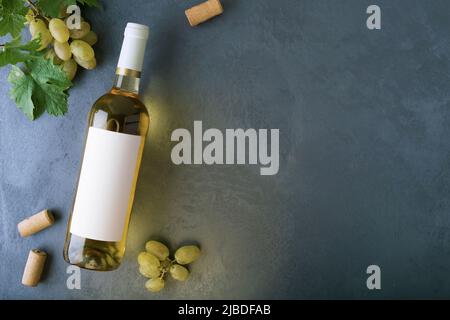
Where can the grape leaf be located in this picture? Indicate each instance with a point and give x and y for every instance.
(12, 17)
(22, 91)
(29, 46)
(40, 87)
(52, 7)
(90, 3)
(14, 51)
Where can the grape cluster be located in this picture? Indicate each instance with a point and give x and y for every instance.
(69, 48)
(155, 263)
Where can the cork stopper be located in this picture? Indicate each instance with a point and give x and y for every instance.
(35, 223)
(203, 11)
(34, 267)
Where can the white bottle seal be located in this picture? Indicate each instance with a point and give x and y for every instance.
(133, 47)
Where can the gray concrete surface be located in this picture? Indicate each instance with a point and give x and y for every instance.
(364, 153)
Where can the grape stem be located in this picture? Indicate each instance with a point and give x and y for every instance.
(36, 9)
(165, 268)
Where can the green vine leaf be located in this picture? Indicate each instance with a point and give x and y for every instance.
(52, 8)
(12, 17)
(40, 87)
(90, 3)
(14, 51)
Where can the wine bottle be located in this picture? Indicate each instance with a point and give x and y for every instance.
(117, 127)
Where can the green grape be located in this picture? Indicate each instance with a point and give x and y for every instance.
(155, 285)
(62, 50)
(36, 26)
(51, 55)
(148, 259)
(157, 249)
(149, 272)
(46, 38)
(178, 272)
(82, 50)
(149, 265)
(29, 16)
(187, 254)
(59, 30)
(91, 38)
(85, 27)
(70, 68)
(89, 64)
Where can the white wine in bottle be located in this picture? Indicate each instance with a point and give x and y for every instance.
(117, 127)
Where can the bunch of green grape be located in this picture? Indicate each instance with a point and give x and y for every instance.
(66, 47)
(155, 263)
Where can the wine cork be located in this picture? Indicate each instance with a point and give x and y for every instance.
(34, 267)
(203, 11)
(35, 223)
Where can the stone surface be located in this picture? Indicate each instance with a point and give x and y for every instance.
(364, 153)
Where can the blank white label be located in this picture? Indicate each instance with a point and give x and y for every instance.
(105, 185)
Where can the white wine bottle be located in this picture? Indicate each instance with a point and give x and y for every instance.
(117, 127)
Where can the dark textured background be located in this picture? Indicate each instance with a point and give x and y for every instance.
(364, 152)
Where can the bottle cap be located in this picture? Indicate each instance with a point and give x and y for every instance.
(136, 30)
(133, 49)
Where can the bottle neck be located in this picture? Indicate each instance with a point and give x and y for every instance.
(128, 84)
